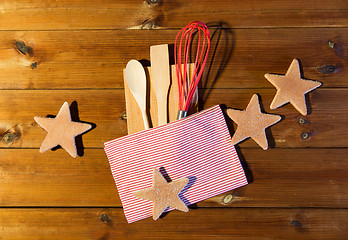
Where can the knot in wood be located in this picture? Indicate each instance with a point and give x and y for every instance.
(148, 25)
(153, 1)
(295, 223)
(22, 47)
(124, 116)
(105, 218)
(327, 69)
(9, 138)
(227, 199)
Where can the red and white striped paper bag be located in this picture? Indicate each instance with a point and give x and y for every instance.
(198, 147)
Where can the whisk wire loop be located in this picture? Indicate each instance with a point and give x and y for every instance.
(182, 51)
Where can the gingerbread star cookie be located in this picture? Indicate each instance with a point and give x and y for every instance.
(61, 131)
(291, 88)
(252, 123)
(163, 194)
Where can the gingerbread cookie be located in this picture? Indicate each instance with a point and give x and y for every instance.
(291, 88)
(61, 131)
(252, 123)
(163, 194)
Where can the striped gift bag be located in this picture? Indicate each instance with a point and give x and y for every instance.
(198, 147)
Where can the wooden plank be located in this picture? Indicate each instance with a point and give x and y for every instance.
(29, 178)
(101, 108)
(322, 127)
(289, 178)
(108, 14)
(277, 177)
(325, 125)
(239, 57)
(196, 224)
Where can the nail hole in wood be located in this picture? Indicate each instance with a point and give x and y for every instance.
(305, 135)
(302, 120)
(34, 65)
(331, 44)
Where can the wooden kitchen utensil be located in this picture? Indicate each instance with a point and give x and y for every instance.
(160, 79)
(134, 121)
(136, 80)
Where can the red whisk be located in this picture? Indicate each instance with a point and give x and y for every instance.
(182, 52)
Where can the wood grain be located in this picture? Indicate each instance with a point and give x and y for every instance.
(239, 58)
(322, 123)
(277, 178)
(326, 123)
(108, 14)
(101, 108)
(75, 50)
(29, 178)
(289, 178)
(196, 224)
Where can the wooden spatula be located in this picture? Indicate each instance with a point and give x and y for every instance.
(160, 79)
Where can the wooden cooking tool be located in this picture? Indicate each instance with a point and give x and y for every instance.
(160, 79)
(134, 119)
(136, 80)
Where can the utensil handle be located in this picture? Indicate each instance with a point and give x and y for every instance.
(162, 113)
(146, 121)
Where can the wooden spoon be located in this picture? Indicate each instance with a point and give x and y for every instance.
(160, 79)
(136, 80)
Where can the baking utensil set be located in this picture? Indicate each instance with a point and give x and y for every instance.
(193, 41)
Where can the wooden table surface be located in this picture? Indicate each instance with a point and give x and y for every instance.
(75, 50)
